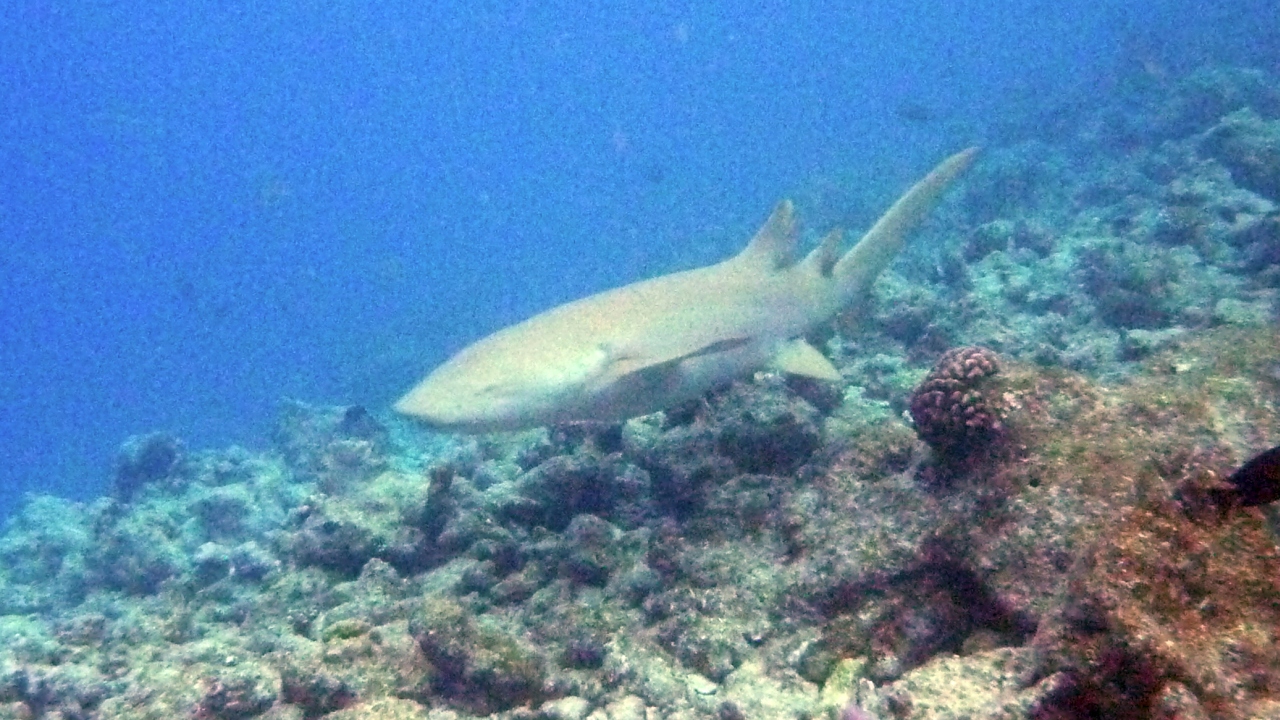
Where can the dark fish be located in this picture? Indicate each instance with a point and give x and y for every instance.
(1257, 482)
(915, 112)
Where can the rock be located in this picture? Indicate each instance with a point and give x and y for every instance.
(565, 708)
(145, 459)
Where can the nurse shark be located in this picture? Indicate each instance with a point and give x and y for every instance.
(656, 343)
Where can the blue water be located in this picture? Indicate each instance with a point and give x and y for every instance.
(207, 207)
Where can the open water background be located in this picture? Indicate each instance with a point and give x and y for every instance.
(207, 207)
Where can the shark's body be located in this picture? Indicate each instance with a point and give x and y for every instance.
(655, 343)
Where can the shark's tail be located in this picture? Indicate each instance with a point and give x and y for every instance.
(859, 267)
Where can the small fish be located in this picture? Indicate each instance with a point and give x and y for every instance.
(915, 112)
(1257, 482)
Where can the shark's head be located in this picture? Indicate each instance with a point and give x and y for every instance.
(462, 402)
(488, 387)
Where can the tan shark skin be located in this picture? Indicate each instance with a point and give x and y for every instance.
(653, 344)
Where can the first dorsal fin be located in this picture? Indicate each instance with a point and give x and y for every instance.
(774, 243)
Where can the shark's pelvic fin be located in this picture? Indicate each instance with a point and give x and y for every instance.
(798, 357)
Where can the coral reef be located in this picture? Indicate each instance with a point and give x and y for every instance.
(779, 548)
(146, 459)
(954, 409)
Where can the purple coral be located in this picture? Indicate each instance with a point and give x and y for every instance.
(953, 410)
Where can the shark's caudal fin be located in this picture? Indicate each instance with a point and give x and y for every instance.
(859, 267)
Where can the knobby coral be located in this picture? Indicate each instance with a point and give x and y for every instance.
(953, 410)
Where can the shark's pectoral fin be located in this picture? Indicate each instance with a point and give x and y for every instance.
(656, 372)
(719, 346)
(658, 362)
(653, 376)
(800, 358)
(650, 380)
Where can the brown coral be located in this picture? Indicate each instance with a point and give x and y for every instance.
(953, 410)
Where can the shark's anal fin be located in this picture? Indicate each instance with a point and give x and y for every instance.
(798, 357)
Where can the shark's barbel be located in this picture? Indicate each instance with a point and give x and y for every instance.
(650, 345)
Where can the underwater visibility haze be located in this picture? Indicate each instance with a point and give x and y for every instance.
(1016, 456)
(210, 208)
